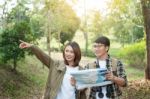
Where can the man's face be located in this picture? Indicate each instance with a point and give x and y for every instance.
(99, 49)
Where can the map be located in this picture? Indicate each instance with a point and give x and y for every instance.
(90, 78)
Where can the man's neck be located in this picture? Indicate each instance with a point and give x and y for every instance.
(103, 57)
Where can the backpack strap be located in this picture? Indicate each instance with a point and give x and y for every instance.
(114, 68)
(114, 64)
(90, 66)
(81, 67)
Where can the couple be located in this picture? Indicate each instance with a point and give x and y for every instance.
(61, 85)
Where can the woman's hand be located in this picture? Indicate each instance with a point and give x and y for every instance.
(23, 44)
(73, 81)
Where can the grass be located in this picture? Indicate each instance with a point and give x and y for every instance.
(27, 83)
(134, 73)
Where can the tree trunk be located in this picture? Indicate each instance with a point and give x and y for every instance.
(15, 64)
(48, 28)
(146, 15)
(85, 30)
(48, 43)
(4, 15)
(86, 43)
(59, 40)
(48, 35)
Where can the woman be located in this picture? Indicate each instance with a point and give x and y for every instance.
(60, 84)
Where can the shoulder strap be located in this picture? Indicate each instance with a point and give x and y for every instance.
(114, 63)
(81, 67)
(90, 66)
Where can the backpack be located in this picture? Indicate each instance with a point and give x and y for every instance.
(93, 65)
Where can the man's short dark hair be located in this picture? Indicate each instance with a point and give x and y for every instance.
(103, 40)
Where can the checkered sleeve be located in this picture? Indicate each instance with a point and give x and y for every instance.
(121, 72)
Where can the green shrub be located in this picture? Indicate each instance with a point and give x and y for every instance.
(88, 54)
(134, 55)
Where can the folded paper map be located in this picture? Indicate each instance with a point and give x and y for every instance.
(90, 78)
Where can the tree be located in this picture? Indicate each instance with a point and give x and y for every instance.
(18, 27)
(146, 15)
(97, 24)
(67, 22)
(126, 21)
(10, 41)
(62, 20)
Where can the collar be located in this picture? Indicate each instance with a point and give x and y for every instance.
(61, 67)
(107, 62)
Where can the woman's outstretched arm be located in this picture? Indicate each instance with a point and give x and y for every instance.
(43, 57)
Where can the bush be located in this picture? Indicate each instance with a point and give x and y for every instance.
(88, 54)
(134, 55)
(138, 89)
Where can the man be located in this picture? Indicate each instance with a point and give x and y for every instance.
(116, 72)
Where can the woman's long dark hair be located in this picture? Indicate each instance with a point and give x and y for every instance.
(77, 53)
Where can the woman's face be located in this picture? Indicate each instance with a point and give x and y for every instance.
(69, 54)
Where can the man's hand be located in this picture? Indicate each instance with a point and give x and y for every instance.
(118, 80)
(110, 76)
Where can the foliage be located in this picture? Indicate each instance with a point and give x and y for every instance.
(10, 41)
(134, 54)
(36, 27)
(97, 24)
(70, 23)
(126, 17)
(122, 20)
(88, 53)
(63, 22)
(18, 28)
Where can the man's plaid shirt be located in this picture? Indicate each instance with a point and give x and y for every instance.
(118, 71)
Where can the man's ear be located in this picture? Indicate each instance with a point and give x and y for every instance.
(107, 48)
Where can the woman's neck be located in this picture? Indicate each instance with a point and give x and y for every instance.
(71, 64)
